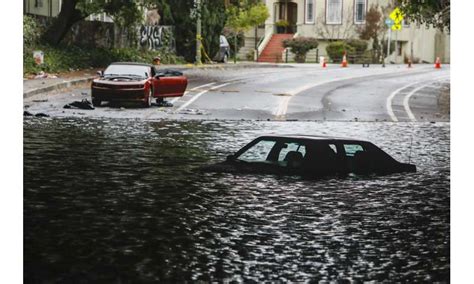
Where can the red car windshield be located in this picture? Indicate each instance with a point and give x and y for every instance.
(127, 70)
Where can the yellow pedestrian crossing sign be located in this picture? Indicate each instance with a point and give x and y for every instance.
(397, 26)
(396, 15)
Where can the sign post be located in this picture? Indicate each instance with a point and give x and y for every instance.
(389, 23)
(397, 17)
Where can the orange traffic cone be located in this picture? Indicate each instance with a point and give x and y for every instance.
(437, 63)
(344, 60)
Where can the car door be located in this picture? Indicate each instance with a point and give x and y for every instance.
(170, 83)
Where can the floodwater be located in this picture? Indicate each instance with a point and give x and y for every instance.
(120, 201)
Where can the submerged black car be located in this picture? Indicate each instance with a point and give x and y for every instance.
(310, 156)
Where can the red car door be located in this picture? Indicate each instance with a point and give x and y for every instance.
(170, 84)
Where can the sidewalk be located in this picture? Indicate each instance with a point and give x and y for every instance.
(33, 87)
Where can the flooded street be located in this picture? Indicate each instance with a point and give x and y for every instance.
(123, 201)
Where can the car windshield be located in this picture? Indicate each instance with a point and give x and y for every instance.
(258, 152)
(127, 70)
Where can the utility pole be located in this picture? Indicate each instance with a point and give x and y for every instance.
(198, 33)
(388, 42)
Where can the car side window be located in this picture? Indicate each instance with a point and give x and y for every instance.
(258, 152)
(291, 147)
(351, 149)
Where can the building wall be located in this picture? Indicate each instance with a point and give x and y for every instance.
(423, 43)
(48, 8)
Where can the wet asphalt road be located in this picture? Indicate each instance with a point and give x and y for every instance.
(291, 92)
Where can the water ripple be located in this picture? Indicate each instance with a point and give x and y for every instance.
(121, 201)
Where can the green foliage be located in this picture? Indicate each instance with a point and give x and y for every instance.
(250, 56)
(31, 30)
(64, 58)
(124, 13)
(300, 47)
(360, 46)
(282, 23)
(336, 50)
(183, 15)
(431, 12)
(244, 16)
(213, 21)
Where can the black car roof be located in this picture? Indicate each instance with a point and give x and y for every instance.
(132, 63)
(311, 137)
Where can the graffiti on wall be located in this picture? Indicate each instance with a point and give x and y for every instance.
(156, 37)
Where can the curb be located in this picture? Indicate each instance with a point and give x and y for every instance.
(67, 84)
(225, 66)
(57, 86)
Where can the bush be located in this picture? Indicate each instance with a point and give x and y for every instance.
(360, 46)
(31, 30)
(65, 58)
(335, 50)
(250, 55)
(300, 47)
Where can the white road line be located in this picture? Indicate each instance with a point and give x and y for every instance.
(201, 86)
(406, 99)
(394, 93)
(283, 106)
(174, 100)
(195, 97)
(390, 99)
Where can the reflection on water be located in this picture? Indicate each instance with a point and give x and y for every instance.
(121, 201)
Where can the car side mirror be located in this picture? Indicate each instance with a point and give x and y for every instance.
(100, 73)
(230, 158)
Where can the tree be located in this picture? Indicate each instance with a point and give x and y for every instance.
(372, 30)
(183, 15)
(430, 12)
(244, 14)
(124, 12)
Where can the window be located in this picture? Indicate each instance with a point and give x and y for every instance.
(38, 3)
(333, 11)
(310, 11)
(360, 11)
(351, 149)
(291, 147)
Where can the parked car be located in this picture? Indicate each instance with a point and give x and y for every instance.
(310, 156)
(136, 82)
(224, 50)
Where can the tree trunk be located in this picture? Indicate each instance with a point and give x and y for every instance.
(235, 48)
(67, 17)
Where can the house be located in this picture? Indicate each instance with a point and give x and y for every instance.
(329, 20)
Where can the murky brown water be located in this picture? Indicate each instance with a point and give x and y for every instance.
(120, 201)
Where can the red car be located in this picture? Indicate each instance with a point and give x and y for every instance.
(137, 82)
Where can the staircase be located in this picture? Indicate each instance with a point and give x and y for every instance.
(274, 49)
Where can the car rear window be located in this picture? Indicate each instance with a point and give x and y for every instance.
(351, 149)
